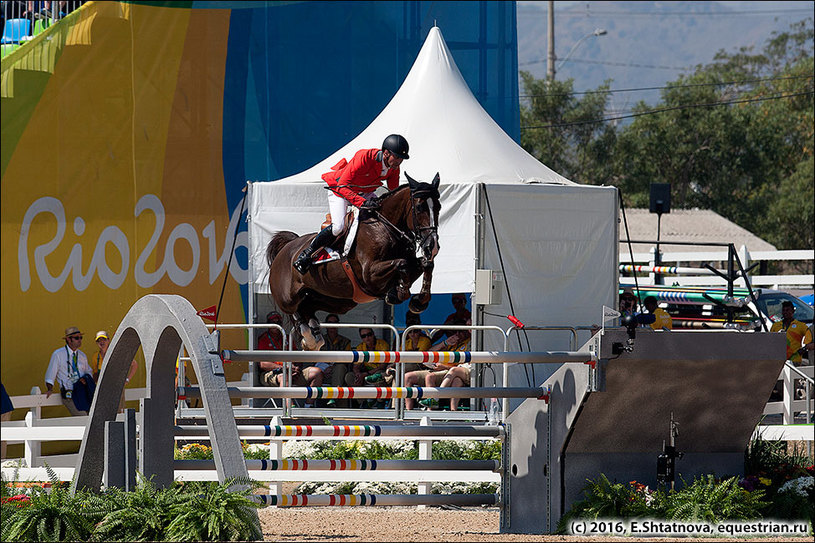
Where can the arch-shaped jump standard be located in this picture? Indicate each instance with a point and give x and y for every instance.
(160, 324)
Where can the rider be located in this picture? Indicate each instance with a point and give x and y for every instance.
(355, 182)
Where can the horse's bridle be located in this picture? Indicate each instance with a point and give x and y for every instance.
(434, 229)
(411, 238)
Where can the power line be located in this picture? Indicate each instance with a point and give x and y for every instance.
(591, 12)
(608, 63)
(689, 85)
(663, 110)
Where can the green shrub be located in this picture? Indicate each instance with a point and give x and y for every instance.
(53, 515)
(710, 500)
(140, 515)
(604, 499)
(219, 513)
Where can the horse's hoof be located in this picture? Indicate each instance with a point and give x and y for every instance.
(416, 307)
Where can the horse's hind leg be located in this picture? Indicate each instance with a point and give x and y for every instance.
(309, 328)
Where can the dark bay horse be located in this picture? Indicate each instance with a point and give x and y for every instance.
(393, 247)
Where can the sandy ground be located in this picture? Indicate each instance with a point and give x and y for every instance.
(409, 524)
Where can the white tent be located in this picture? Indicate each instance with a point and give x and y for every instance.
(554, 241)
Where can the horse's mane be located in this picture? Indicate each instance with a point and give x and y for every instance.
(397, 190)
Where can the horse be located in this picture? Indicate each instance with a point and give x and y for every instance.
(394, 245)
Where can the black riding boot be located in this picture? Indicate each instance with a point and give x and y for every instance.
(323, 239)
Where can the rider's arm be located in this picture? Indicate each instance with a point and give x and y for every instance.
(393, 178)
(349, 195)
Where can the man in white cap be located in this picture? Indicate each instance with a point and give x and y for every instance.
(68, 366)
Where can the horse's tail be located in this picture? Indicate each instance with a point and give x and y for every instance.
(278, 242)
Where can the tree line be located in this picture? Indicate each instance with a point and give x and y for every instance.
(735, 136)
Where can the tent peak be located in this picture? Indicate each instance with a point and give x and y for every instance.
(448, 129)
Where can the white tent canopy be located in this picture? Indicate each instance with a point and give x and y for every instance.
(554, 241)
(447, 129)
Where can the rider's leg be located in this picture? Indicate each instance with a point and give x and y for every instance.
(337, 206)
(324, 238)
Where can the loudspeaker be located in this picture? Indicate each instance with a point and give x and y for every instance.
(660, 198)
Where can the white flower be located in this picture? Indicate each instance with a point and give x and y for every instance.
(800, 486)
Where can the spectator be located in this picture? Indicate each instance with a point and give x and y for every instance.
(272, 372)
(69, 366)
(799, 337)
(799, 341)
(5, 414)
(417, 340)
(628, 304)
(370, 373)
(457, 376)
(451, 374)
(662, 320)
(102, 342)
(460, 316)
(334, 372)
(271, 340)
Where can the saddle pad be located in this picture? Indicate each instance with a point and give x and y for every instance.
(327, 254)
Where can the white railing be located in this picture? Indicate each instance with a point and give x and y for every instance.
(705, 278)
(34, 429)
(791, 404)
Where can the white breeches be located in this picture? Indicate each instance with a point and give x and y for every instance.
(338, 207)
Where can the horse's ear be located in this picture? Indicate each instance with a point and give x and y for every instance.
(412, 182)
(435, 181)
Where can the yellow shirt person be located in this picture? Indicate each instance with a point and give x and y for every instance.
(798, 335)
(662, 320)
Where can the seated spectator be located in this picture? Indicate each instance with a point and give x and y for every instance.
(272, 372)
(461, 316)
(271, 340)
(417, 340)
(334, 372)
(456, 376)
(369, 373)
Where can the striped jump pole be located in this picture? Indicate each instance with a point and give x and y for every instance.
(415, 357)
(291, 464)
(376, 393)
(334, 431)
(331, 500)
(673, 270)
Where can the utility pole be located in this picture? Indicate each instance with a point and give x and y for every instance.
(550, 66)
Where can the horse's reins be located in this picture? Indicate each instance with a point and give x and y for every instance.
(410, 238)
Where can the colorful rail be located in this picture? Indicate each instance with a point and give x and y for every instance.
(333, 500)
(415, 357)
(334, 431)
(376, 393)
(294, 464)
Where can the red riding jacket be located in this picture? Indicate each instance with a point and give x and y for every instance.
(360, 176)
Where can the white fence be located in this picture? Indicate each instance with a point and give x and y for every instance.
(705, 278)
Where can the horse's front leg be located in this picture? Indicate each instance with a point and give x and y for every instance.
(419, 302)
(394, 272)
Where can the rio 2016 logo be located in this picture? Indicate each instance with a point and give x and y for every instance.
(183, 232)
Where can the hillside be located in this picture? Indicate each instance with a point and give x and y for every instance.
(648, 43)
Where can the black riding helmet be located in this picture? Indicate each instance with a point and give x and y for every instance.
(397, 145)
